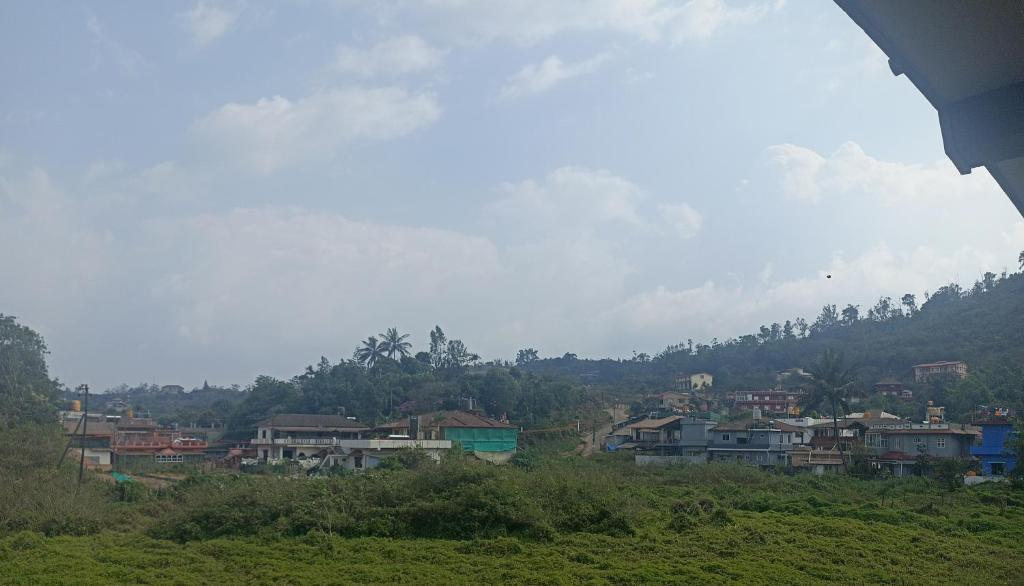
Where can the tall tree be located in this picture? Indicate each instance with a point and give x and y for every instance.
(850, 314)
(394, 344)
(526, 356)
(909, 302)
(832, 385)
(369, 352)
(27, 394)
(438, 348)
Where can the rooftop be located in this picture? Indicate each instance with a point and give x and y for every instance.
(744, 425)
(655, 423)
(311, 421)
(450, 419)
(939, 363)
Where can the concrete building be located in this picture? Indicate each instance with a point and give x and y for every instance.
(696, 381)
(690, 447)
(137, 439)
(994, 455)
(940, 370)
(761, 442)
(897, 448)
(330, 440)
(486, 438)
(785, 403)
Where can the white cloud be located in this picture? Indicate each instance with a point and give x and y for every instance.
(579, 200)
(808, 176)
(540, 77)
(569, 198)
(681, 218)
(396, 56)
(275, 132)
(315, 279)
(713, 310)
(207, 22)
(532, 21)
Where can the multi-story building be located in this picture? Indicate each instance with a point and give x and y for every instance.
(996, 457)
(762, 442)
(785, 403)
(141, 439)
(939, 370)
(897, 448)
(331, 440)
(696, 381)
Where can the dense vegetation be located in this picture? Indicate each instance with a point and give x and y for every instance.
(548, 519)
(27, 394)
(545, 518)
(983, 325)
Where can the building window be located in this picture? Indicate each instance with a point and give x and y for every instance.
(264, 434)
(940, 442)
(896, 443)
(169, 459)
(359, 462)
(725, 437)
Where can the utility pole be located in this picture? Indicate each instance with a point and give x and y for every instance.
(84, 389)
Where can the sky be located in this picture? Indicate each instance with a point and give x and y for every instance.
(211, 191)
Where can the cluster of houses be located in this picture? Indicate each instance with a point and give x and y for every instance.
(114, 440)
(888, 442)
(314, 441)
(317, 441)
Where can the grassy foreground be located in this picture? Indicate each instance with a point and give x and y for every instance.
(543, 520)
(756, 548)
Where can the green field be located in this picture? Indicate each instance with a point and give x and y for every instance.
(545, 520)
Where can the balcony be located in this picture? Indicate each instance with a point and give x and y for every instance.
(362, 444)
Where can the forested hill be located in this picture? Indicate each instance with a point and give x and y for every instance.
(983, 325)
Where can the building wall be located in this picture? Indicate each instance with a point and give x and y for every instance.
(484, 439)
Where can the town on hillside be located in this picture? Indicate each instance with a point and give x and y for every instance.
(691, 424)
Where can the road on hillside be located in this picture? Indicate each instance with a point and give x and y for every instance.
(591, 447)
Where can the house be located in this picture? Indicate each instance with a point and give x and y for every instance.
(940, 370)
(889, 387)
(897, 448)
(785, 403)
(995, 456)
(696, 381)
(294, 436)
(488, 439)
(690, 447)
(652, 432)
(330, 440)
(96, 443)
(138, 439)
(817, 461)
(671, 401)
(761, 442)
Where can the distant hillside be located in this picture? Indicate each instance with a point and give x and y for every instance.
(983, 325)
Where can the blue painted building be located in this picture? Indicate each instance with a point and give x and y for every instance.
(996, 458)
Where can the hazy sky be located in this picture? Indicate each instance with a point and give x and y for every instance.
(217, 190)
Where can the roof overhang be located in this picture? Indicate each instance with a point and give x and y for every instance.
(967, 58)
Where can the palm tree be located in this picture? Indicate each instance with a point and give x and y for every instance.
(392, 343)
(369, 352)
(831, 384)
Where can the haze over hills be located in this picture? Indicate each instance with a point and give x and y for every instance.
(983, 325)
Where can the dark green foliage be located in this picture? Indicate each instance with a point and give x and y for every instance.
(27, 394)
(984, 328)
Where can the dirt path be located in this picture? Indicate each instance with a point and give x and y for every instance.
(591, 447)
